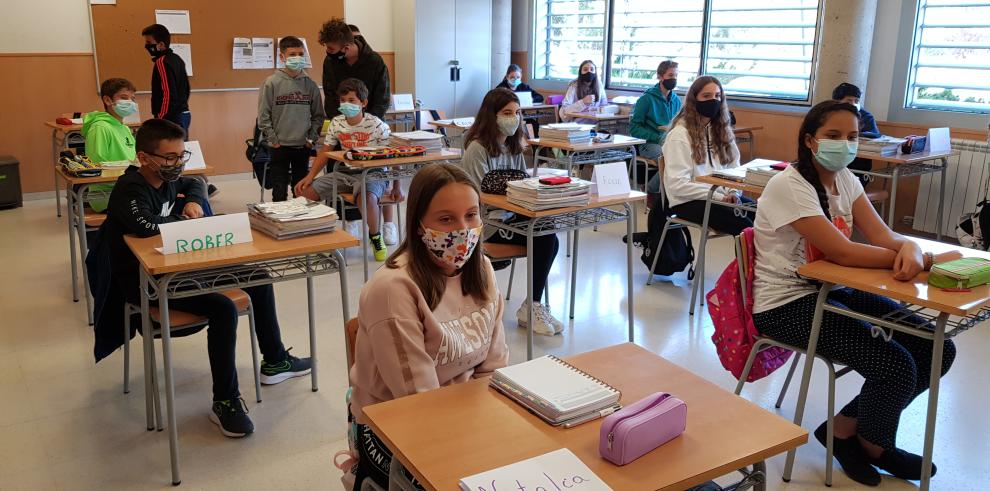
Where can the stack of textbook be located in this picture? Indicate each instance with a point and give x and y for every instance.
(566, 133)
(432, 141)
(884, 145)
(530, 194)
(293, 218)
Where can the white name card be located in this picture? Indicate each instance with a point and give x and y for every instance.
(196, 160)
(205, 233)
(402, 102)
(557, 470)
(938, 140)
(610, 179)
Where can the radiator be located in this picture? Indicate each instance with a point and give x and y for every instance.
(966, 184)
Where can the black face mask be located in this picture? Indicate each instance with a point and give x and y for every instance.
(586, 77)
(170, 174)
(669, 83)
(709, 109)
(152, 49)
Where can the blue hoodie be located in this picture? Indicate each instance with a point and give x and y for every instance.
(652, 111)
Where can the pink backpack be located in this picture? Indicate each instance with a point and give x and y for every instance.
(731, 310)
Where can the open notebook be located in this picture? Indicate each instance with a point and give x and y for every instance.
(554, 390)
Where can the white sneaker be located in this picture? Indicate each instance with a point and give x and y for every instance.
(544, 323)
(391, 233)
(355, 228)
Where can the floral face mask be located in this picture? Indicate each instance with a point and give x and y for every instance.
(454, 247)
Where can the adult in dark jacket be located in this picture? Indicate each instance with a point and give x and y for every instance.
(851, 94)
(513, 81)
(349, 56)
(169, 80)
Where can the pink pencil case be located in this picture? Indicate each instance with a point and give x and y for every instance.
(638, 428)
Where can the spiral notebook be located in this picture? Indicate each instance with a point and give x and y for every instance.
(555, 390)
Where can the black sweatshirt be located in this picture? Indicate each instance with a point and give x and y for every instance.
(369, 68)
(169, 86)
(537, 97)
(137, 208)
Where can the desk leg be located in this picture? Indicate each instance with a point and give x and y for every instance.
(311, 309)
(80, 213)
(574, 261)
(529, 290)
(55, 152)
(630, 217)
(699, 277)
(148, 342)
(635, 184)
(809, 361)
(71, 222)
(941, 198)
(344, 298)
(364, 217)
(935, 378)
(570, 170)
(893, 196)
(173, 430)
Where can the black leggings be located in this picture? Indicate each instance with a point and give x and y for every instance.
(896, 371)
(286, 160)
(545, 250)
(720, 218)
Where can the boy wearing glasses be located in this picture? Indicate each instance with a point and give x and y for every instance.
(145, 197)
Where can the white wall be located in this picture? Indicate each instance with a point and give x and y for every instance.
(374, 18)
(45, 26)
(521, 12)
(881, 77)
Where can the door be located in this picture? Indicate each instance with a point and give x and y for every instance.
(434, 54)
(473, 50)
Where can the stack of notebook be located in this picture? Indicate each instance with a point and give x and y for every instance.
(293, 218)
(884, 145)
(432, 141)
(530, 194)
(557, 392)
(566, 132)
(755, 173)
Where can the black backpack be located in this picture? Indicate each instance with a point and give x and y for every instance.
(257, 153)
(677, 251)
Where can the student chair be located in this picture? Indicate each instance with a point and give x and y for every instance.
(510, 252)
(182, 322)
(762, 343)
(675, 223)
(347, 202)
(646, 163)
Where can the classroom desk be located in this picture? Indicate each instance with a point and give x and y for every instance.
(404, 117)
(264, 261)
(453, 132)
(918, 298)
(749, 138)
(75, 202)
(573, 218)
(62, 136)
(916, 164)
(614, 123)
(542, 113)
(457, 431)
(698, 286)
(397, 168)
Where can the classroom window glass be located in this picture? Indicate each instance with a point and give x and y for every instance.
(760, 49)
(950, 60)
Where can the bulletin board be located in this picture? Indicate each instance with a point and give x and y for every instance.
(214, 24)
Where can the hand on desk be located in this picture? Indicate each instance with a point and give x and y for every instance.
(948, 256)
(303, 184)
(908, 262)
(731, 197)
(588, 99)
(192, 210)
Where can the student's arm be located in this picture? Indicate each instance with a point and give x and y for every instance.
(378, 96)
(639, 125)
(381, 136)
(317, 116)
(330, 100)
(169, 87)
(498, 351)
(192, 188)
(571, 104)
(868, 125)
(265, 125)
(679, 171)
(475, 161)
(909, 259)
(133, 207)
(98, 139)
(399, 349)
(840, 250)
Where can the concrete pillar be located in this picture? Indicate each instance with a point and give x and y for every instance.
(501, 38)
(844, 46)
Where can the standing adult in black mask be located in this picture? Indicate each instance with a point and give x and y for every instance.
(584, 93)
(700, 141)
(349, 56)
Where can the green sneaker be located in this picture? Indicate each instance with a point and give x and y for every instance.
(273, 373)
(378, 245)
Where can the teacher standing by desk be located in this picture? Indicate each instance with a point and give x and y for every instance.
(349, 56)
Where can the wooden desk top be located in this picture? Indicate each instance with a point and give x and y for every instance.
(916, 291)
(449, 126)
(405, 111)
(729, 183)
(618, 141)
(72, 180)
(900, 159)
(538, 106)
(457, 431)
(746, 129)
(66, 128)
(445, 154)
(598, 116)
(502, 202)
(263, 248)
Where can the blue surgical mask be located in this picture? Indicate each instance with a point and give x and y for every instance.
(125, 107)
(349, 109)
(295, 63)
(835, 155)
(514, 82)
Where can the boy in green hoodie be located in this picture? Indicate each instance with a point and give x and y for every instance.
(653, 113)
(108, 139)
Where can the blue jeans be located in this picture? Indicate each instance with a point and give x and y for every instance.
(183, 120)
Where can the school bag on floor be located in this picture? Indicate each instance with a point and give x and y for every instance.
(732, 315)
(676, 252)
(257, 153)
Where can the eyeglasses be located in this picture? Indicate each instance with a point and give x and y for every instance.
(171, 160)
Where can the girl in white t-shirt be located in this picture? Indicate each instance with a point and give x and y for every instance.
(584, 93)
(806, 213)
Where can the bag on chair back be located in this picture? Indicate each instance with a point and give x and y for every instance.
(676, 252)
(732, 317)
(973, 227)
(257, 153)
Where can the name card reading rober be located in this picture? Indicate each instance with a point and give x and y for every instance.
(205, 233)
(555, 471)
(610, 179)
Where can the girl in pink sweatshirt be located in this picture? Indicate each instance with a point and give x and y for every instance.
(433, 315)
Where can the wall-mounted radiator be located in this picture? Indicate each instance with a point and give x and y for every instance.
(966, 183)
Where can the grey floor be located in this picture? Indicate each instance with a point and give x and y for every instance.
(64, 423)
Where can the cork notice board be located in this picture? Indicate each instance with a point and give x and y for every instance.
(215, 23)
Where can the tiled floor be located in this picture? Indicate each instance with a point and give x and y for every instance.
(64, 423)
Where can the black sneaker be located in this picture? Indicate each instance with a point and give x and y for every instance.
(212, 190)
(640, 239)
(500, 265)
(231, 416)
(901, 464)
(851, 456)
(273, 373)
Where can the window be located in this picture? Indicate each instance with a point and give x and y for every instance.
(761, 49)
(950, 60)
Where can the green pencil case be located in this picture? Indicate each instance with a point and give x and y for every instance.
(960, 273)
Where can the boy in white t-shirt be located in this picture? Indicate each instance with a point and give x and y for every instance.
(353, 128)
